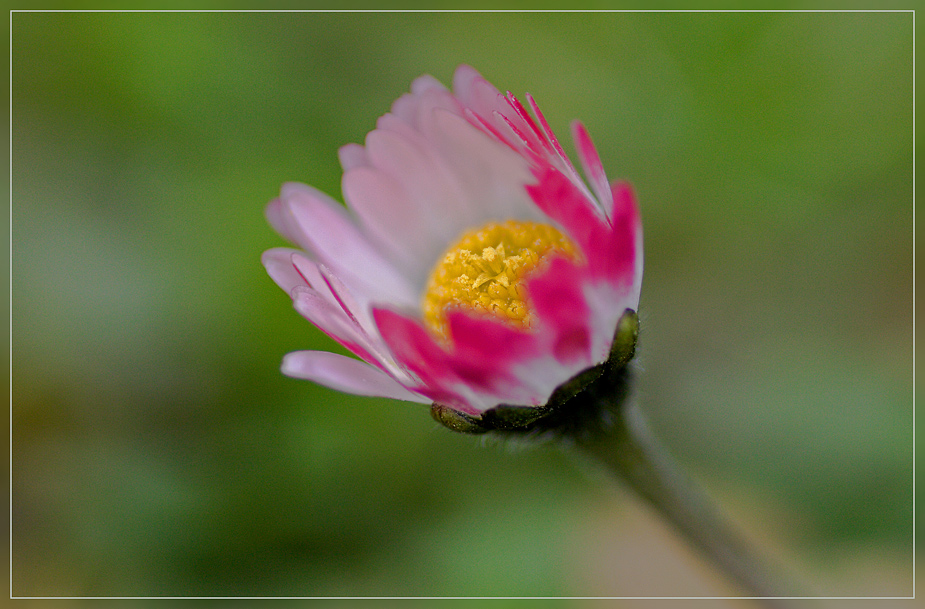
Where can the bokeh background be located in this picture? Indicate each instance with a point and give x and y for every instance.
(157, 450)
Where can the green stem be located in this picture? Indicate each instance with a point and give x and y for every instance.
(626, 447)
(594, 411)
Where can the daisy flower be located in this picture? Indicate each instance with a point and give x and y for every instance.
(472, 266)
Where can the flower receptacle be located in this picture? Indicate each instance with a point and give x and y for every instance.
(567, 397)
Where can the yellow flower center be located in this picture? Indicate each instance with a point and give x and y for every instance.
(485, 270)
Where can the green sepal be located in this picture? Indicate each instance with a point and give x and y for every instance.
(457, 421)
(624, 340)
(568, 395)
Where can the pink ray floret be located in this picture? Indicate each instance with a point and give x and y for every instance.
(442, 163)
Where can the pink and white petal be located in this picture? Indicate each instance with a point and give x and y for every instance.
(352, 155)
(473, 375)
(434, 194)
(610, 246)
(498, 376)
(558, 298)
(625, 205)
(333, 321)
(606, 305)
(310, 273)
(411, 108)
(618, 257)
(481, 96)
(342, 315)
(503, 116)
(477, 338)
(282, 221)
(279, 265)
(591, 163)
(413, 346)
(355, 306)
(417, 351)
(550, 136)
(329, 317)
(424, 83)
(332, 236)
(494, 174)
(380, 204)
(346, 374)
(537, 378)
(476, 359)
(563, 202)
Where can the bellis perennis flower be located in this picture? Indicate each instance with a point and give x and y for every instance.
(473, 267)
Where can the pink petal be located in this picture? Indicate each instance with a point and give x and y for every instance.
(502, 115)
(418, 352)
(557, 295)
(591, 163)
(627, 235)
(474, 374)
(346, 374)
(412, 345)
(556, 155)
(610, 248)
(547, 131)
(537, 141)
(619, 256)
(478, 338)
(561, 200)
(476, 357)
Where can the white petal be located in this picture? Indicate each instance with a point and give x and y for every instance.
(346, 374)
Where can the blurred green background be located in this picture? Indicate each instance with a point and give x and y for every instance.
(157, 450)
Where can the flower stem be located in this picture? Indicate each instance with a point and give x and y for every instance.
(594, 412)
(623, 443)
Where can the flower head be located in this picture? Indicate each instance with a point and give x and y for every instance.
(473, 267)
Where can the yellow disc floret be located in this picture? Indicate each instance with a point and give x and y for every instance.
(485, 270)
